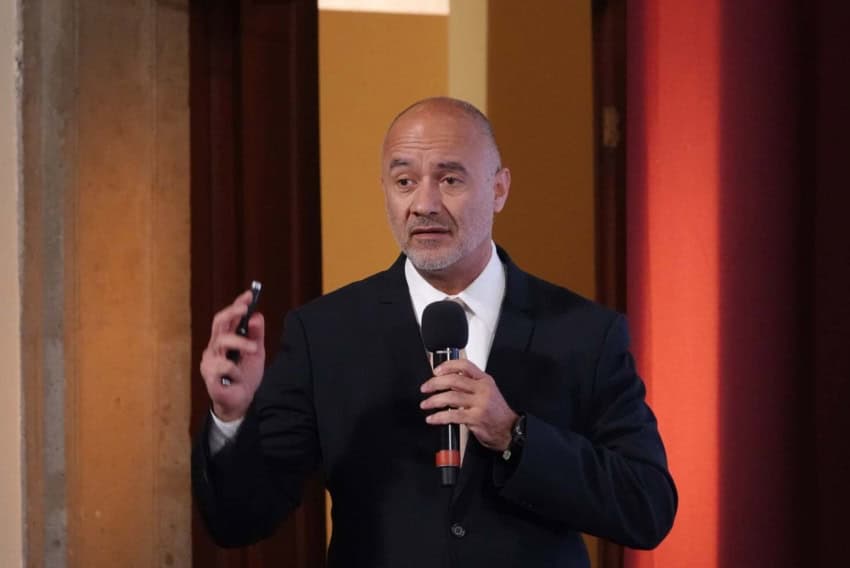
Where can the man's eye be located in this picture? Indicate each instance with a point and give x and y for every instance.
(452, 180)
(405, 183)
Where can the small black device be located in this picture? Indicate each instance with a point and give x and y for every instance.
(242, 329)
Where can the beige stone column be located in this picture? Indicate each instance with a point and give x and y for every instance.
(11, 521)
(468, 51)
(106, 255)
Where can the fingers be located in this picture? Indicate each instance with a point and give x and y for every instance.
(244, 297)
(456, 393)
(230, 398)
(214, 367)
(450, 399)
(226, 319)
(451, 416)
(229, 341)
(462, 367)
(461, 393)
(449, 382)
(458, 384)
(257, 328)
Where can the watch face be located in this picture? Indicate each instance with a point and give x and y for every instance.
(518, 432)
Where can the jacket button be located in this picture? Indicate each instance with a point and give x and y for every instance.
(458, 530)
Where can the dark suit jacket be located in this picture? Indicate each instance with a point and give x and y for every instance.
(343, 394)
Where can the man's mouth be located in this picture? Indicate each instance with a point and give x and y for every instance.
(428, 231)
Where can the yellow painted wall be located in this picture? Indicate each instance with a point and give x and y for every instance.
(540, 100)
(371, 66)
(11, 520)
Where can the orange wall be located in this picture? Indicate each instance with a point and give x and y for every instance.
(369, 70)
(540, 100)
(673, 258)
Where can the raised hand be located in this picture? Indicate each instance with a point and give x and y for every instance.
(231, 398)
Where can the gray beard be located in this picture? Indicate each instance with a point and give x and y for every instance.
(427, 263)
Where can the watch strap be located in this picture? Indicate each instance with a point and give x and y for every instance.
(517, 438)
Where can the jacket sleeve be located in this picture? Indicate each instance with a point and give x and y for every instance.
(611, 480)
(256, 480)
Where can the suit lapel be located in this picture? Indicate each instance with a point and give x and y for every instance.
(513, 335)
(399, 328)
(505, 363)
(402, 336)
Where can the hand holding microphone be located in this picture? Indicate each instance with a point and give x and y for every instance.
(460, 392)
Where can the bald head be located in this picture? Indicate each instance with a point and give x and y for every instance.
(443, 184)
(447, 106)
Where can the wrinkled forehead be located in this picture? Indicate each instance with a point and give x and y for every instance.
(443, 133)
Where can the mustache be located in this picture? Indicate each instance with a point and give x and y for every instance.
(424, 223)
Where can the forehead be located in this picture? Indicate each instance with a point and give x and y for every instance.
(426, 135)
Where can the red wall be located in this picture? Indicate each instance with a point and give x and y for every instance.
(738, 273)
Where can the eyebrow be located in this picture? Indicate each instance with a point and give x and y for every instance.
(452, 167)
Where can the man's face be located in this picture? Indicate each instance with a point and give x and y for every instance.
(442, 186)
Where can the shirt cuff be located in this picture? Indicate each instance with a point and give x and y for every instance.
(222, 432)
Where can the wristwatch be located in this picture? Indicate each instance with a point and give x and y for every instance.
(517, 438)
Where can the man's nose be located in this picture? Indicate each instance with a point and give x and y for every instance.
(427, 199)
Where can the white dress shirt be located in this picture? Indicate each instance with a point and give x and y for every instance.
(481, 300)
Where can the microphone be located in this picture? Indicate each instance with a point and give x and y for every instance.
(445, 333)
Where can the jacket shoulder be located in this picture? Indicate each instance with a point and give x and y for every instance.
(348, 297)
(548, 298)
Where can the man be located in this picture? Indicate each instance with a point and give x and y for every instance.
(559, 441)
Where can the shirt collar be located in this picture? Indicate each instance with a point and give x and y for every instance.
(483, 296)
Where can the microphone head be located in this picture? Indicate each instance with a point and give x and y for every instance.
(444, 326)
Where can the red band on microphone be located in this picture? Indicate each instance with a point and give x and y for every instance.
(448, 458)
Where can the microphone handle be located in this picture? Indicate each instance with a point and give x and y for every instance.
(447, 458)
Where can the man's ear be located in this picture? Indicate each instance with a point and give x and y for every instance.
(501, 188)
